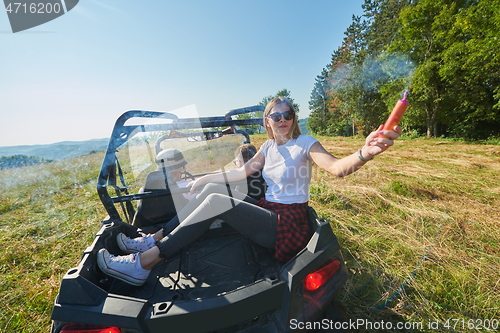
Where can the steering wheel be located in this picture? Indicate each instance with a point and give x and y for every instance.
(186, 175)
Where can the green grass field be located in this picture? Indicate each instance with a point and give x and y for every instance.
(419, 227)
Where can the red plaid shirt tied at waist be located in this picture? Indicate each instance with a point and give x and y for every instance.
(293, 228)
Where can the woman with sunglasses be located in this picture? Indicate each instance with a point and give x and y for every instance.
(278, 221)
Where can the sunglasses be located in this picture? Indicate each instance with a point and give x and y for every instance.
(276, 116)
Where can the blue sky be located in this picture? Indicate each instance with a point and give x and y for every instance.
(70, 78)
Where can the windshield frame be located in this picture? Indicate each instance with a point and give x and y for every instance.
(111, 175)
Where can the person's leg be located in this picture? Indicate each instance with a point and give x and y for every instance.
(141, 244)
(258, 224)
(252, 221)
(196, 202)
(255, 222)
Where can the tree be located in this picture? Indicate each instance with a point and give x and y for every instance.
(320, 114)
(454, 44)
(418, 38)
(251, 129)
(283, 93)
(444, 51)
(331, 113)
(18, 161)
(471, 68)
(382, 23)
(357, 78)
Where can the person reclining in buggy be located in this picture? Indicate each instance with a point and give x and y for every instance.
(170, 173)
(279, 221)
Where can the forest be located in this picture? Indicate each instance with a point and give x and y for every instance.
(17, 161)
(443, 53)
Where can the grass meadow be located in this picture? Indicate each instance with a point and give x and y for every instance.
(419, 227)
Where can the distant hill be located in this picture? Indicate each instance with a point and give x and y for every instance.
(57, 151)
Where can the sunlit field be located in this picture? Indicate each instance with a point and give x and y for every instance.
(419, 227)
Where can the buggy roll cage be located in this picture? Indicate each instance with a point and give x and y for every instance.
(123, 133)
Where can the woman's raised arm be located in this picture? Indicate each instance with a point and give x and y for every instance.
(374, 145)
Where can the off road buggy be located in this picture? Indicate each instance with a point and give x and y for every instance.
(221, 283)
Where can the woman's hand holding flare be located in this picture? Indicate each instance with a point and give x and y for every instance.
(378, 141)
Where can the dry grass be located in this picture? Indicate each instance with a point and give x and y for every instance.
(419, 227)
(48, 215)
(420, 232)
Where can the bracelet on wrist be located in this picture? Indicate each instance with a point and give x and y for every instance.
(360, 156)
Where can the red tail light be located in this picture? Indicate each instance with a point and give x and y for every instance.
(81, 328)
(316, 279)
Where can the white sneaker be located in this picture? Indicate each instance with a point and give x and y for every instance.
(126, 268)
(134, 245)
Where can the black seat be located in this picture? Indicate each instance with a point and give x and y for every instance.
(159, 209)
(256, 185)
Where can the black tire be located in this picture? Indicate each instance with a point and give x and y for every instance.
(334, 319)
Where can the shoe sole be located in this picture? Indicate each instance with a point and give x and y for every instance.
(117, 275)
